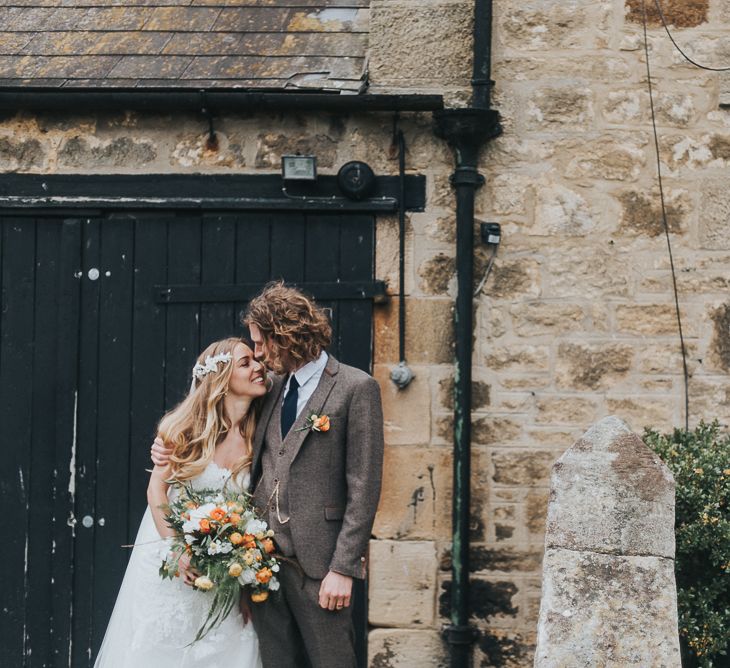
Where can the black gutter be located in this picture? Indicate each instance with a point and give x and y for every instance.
(195, 100)
(466, 131)
(481, 74)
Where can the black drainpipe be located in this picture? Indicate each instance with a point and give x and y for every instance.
(466, 130)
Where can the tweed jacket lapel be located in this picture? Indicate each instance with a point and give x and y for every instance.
(258, 438)
(295, 439)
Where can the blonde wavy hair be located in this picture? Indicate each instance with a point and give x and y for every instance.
(195, 426)
(291, 321)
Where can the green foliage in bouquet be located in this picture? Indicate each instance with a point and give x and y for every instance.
(227, 543)
(700, 462)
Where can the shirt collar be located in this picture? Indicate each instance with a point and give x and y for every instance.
(305, 374)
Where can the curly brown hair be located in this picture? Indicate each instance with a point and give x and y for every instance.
(291, 321)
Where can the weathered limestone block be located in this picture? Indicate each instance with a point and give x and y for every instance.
(592, 366)
(692, 152)
(487, 430)
(715, 217)
(540, 65)
(556, 106)
(518, 358)
(560, 211)
(713, 398)
(272, 146)
(437, 274)
(406, 648)
(662, 358)
(119, 152)
(625, 106)
(427, 45)
(568, 409)
(536, 511)
(509, 278)
(588, 271)
(679, 13)
(507, 193)
(612, 157)
(720, 344)
(548, 317)
(504, 648)
(619, 615)
(480, 392)
(676, 108)
(402, 582)
(647, 411)
(651, 320)
(431, 318)
(20, 154)
(641, 212)
(416, 489)
(521, 467)
(487, 561)
(406, 412)
(196, 151)
(611, 493)
(609, 596)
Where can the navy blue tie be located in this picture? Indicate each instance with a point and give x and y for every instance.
(289, 409)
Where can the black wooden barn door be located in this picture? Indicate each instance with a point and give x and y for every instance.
(39, 307)
(102, 318)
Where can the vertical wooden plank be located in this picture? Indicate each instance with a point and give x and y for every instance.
(86, 442)
(16, 368)
(357, 264)
(111, 482)
(253, 254)
(183, 320)
(148, 357)
(67, 334)
(41, 542)
(218, 268)
(322, 264)
(356, 341)
(288, 247)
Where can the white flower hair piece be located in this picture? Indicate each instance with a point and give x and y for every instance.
(200, 371)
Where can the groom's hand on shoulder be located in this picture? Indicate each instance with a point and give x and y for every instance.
(335, 591)
(159, 453)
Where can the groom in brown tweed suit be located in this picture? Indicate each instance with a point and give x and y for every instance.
(318, 484)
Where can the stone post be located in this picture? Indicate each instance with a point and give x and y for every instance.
(608, 593)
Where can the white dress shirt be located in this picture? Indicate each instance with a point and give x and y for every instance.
(308, 378)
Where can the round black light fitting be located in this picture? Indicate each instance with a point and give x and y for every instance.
(356, 180)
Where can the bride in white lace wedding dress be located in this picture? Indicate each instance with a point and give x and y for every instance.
(154, 620)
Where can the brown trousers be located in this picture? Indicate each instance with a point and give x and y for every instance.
(295, 632)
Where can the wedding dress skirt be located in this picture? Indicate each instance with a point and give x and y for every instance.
(155, 620)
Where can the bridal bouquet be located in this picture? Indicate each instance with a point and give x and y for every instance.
(227, 543)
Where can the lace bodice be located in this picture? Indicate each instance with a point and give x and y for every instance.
(215, 477)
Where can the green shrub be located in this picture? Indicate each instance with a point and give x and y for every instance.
(700, 462)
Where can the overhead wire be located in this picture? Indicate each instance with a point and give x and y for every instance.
(676, 46)
(665, 223)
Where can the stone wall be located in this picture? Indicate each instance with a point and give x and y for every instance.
(576, 320)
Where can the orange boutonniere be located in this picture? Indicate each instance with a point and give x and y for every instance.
(316, 423)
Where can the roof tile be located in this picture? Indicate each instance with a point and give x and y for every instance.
(271, 44)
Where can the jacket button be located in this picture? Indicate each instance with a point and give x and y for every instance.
(281, 453)
(362, 558)
(276, 480)
(273, 507)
